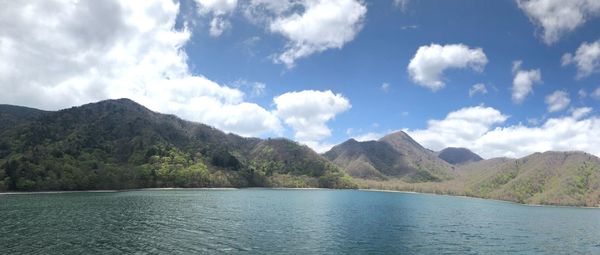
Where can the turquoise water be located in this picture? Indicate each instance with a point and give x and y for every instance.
(264, 221)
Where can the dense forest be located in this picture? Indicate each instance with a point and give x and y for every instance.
(119, 144)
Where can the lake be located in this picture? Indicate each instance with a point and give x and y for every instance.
(267, 221)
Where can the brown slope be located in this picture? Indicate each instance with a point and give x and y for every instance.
(396, 155)
(556, 178)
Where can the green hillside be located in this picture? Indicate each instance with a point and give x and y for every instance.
(117, 144)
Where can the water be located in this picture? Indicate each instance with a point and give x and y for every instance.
(263, 221)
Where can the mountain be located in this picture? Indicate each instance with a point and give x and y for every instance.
(549, 178)
(395, 155)
(397, 162)
(11, 116)
(555, 178)
(116, 144)
(458, 156)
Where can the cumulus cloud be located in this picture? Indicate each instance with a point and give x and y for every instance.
(557, 101)
(308, 112)
(586, 59)
(317, 26)
(477, 88)
(426, 68)
(459, 127)
(523, 82)
(557, 17)
(218, 9)
(55, 54)
(478, 128)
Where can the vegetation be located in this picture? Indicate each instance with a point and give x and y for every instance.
(550, 178)
(395, 156)
(118, 144)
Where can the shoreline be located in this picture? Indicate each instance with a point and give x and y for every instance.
(104, 191)
(286, 188)
(480, 198)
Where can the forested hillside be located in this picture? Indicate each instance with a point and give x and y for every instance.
(118, 144)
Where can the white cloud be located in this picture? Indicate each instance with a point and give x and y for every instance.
(478, 88)
(557, 101)
(402, 4)
(426, 68)
(516, 65)
(56, 54)
(371, 136)
(218, 25)
(477, 128)
(255, 88)
(596, 94)
(219, 9)
(308, 112)
(321, 25)
(587, 59)
(578, 113)
(524, 81)
(459, 127)
(559, 17)
(385, 87)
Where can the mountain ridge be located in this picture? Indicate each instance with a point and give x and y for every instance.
(115, 144)
(120, 144)
(395, 155)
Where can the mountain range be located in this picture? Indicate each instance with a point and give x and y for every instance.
(119, 144)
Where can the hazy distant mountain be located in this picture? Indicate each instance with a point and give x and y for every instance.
(395, 155)
(120, 144)
(457, 156)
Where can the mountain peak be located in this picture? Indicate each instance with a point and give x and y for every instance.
(455, 155)
(120, 102)
(398, 134)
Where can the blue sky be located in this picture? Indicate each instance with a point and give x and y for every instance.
(381, 51)
(223, 63)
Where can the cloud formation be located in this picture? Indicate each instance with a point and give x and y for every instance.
(219, 9)
(426, 68)
(523, 82)
(477, 88)
(596, 94)
(308, 112)
(557, 17)
(557, 101)
(321, 25)
(57, 54)
(586, 59)
(478, 128)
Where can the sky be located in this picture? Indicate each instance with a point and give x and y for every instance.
(502, 78)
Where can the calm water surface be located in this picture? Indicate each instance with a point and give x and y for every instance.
(263, 221)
